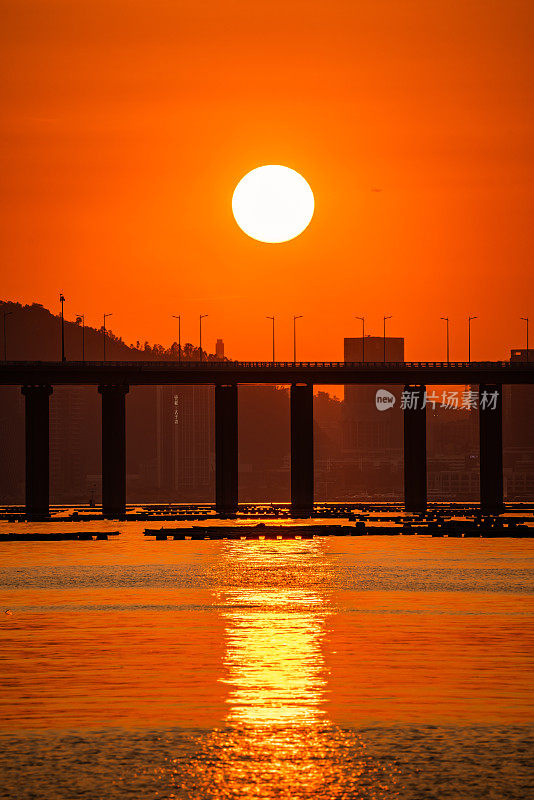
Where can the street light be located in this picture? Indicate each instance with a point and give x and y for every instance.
(295, 318)
(177, 316)
(363, 336)
(273, 334)
(447, 321)
(62, 300)
(525, 319)
(6, 314)
(385, 318)
(105, 317)
(201, 317)
(82, 317)
(469, 339)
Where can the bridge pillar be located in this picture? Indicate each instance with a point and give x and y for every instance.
(226, 452)
(37, 450)
(113, 450)
(415, 486)
(491, 460)
(301, 447)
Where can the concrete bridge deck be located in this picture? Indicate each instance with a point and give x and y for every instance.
(143, 373)
(113, 379)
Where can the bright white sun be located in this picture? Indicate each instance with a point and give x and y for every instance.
(273, 203)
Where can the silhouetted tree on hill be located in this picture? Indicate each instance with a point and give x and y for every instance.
(34, 334)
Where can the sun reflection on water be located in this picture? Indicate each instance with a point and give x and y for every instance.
(274, 664)
(278, 741)
(273, 658)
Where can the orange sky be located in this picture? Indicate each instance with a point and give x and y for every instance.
(127, 125)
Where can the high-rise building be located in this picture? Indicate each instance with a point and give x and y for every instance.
(368, 430)
(519, 408)
(518, 435)
(185, 442)
(219, 349)
(70, 410)
(12, 445)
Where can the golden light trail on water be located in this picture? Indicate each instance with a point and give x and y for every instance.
(277, 741)
(274, 660)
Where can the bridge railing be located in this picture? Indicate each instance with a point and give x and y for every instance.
(223, 365)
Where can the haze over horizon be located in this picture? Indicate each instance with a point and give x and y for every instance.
(31, 326)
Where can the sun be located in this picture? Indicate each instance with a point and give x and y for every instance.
(273, 204)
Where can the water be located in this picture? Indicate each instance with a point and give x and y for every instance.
(374, 667)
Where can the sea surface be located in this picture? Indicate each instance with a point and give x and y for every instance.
(373, 667)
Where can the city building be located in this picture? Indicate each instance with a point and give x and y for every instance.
(518, 435)
(519, 409)
(368, 430)
(185, 454)
(372, 435)
(12, 463)
(72, 408)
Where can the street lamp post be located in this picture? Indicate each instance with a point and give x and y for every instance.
(105, 317)
(178, 317)
(201, 317)
(82, 317)
(469, 338)
(525, 319)
(273, 334)
(6, 314)
(385, 318)
(363, 336)
(62, 300)
(446, 319)
(295, 318)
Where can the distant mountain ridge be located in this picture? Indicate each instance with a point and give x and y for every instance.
(33, 333)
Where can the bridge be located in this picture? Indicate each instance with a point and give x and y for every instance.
(113, 379)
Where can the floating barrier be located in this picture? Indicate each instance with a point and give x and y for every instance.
(84, 536)
(281, 532)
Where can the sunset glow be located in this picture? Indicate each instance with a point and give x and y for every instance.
(126, 168)
(266, 399)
